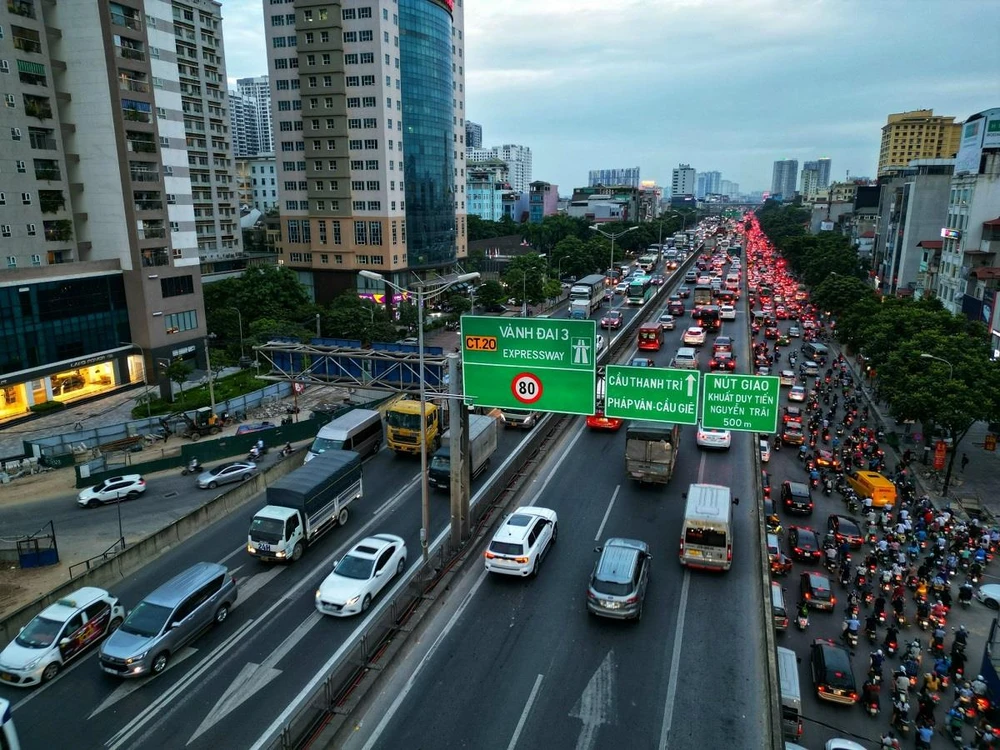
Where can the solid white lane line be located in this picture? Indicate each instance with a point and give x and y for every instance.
(675, 656)
(524, 714)
(600, 529)
(555, 469)
(391, 711)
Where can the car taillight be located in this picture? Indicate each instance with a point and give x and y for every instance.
(798, 550)
(232, 577)
(521, 560)
(682, 546)
(729, 553)
(488, 555)
(833, 600)
(808, 595)
(142, 482)
(632, 600)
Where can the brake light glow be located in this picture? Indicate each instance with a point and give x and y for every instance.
(488, 555)
(521, 560)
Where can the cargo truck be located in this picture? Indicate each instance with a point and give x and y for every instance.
(651, 451)
(305, 504)
(482, 446)
(586, 295)
(403, 427)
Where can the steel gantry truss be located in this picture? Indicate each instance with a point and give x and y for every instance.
(323, 364)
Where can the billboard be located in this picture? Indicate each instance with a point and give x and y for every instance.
(991, 138)
(980, 131)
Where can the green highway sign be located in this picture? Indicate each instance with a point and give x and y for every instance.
(530, 363)
(746, 403)
(651, 393)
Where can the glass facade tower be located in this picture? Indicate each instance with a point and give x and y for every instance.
(425, 51)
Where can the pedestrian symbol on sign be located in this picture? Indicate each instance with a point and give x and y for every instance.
(581, 351)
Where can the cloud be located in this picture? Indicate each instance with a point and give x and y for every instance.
(730, 85)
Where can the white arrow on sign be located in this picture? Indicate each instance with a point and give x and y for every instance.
(253, 677)
(596, 705)
(692, 381)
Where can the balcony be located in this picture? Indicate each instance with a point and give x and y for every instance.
(152, 233)
(41, 138)
(141, 146)
(48, 173)
(58, 231)
(129, 22)
(51, 201)
(144, 175)
(148, 205)
(134, 115)
(130, 53)
(27, 44)
(133, 84)
(155, 257)
(23, 8)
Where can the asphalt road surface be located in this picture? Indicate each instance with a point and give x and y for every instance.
(521, 664)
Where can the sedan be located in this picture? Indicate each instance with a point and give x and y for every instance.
(621, 288)
(845, 529)
(765, 450)
(612, 320)
(803, 544)
(989, 594)
(684, 292)
(722, 344)
(710, 437)
(694, 336)
(816, 592)
(794, 332)
(237, 471)
(727, 312)
(113, 490)
(657, 279)
(827, 459)
(771, 332)
(797, 393)
(667, 322)
(786, 378)
(360, 575)
(642, 362)
(722, 361)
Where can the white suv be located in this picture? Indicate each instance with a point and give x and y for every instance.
(523, 539)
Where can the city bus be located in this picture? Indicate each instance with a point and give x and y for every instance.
(648, 262)
(650, 337)
(640, 289)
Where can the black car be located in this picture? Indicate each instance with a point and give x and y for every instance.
(796, 497)
(804, 544)
(815, 590)
(845, 528)
(832, 673)
(684, 292)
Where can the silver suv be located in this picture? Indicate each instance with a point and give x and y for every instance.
(618, 584)
(164, 621)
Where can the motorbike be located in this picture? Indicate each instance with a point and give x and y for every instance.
(851, 638)
(872, 705)
(923, 622)
(193, 467)
(802, 621)
(828, 487)
(871, 634)
(890, 646)
(256, 453)
(287, 450)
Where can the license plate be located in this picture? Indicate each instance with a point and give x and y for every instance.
(7, 677)
(694, 552)
(264, 547)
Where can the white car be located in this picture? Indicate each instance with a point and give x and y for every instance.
(797, 393)
(668, 322)
(727, 312)
(694, 336)
(58, 634)
(765, 451)
(359, 576)
(523, 539)
(113, 490)
(601, 343)
(989, 594)
(786, 378)
(621, 288)
(710, 437)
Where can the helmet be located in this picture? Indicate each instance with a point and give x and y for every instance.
(879, 652)
(980, 678)
(961, 628)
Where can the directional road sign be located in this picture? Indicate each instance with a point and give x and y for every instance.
(651, 393)
(746, 403)
(530, 363)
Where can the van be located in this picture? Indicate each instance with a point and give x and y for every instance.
(707, 530)
(686, 358)
(167, 619)
(778, 610)
(791, 693)
(814, 351)
(360, 430)
(874, 485)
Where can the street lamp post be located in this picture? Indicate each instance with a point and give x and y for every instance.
(145, 375)
(208, 365)
(422, 294)
(239, 316)
(951, 369)
(612, 236)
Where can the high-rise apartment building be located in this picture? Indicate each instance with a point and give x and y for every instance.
(517, 158)
(730, 189)
(115, 131)
(256, 93)
(824, 164)
(368, 105)
(683, 181)
(713, 182)
(919, 134)
(473, 134)
(784, 178)
(623, 176)
(810, 178)
(243, 125)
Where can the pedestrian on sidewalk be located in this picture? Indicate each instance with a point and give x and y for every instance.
(965, 462)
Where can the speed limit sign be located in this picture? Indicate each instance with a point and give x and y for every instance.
(526, 387)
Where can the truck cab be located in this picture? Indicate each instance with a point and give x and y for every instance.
(274, 533)
(403, 427)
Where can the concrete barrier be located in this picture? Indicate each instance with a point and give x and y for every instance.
(134, 557)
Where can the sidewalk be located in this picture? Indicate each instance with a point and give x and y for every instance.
(978, 482)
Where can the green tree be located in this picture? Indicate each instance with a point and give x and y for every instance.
(838, 294)
(525, 278)
(351, 317)
(177, 372)
(459, 304)
(490, 293)
(407, 316)
(552, 289)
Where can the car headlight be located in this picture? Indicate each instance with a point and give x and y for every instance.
(136, 657)
(318, 595)
(352, 600)
(33, 663)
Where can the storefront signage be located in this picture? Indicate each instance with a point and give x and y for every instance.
(951, 234)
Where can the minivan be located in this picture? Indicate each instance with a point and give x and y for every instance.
(874, 485)
(360, 430)
(796, 497)
(618, 584)
(167, 619)
(815, 351)
(791, 693)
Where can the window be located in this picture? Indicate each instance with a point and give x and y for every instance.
(293, 231)
(353, 101)
(324, 37)
(395, 234)
(371, 164)
(368, 101)
(348, 14)
(335, 226)
(371, 144)
(354, 122)
(11, 260)
(321, 225)
(357, 184)
(31, 230)
(364, 12)
(370, 123)
(5, 231)
(352, 81)
(366, 36)
(372, 185)
(375, 206)
(367, 57)
(367, 80)
(351, 59)
(182, 321)
(375, 233)
(25, 197)
(177, 286)
(357, 164)
(15, 134)
(358, 205)
(350, 36)
(360, 235)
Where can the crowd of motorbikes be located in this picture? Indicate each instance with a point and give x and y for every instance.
(912, 559)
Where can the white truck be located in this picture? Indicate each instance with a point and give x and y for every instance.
(482, 446)
(305, 504)
(586, 296)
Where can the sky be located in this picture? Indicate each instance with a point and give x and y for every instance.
(727, 85)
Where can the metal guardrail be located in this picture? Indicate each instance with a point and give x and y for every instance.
(330, 696)
(85, 565)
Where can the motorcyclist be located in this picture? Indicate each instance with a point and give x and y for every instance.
(937, 640)
(913, 650)
(932, 684)
(875, 662)
(888, 741)
(961, 639)
(925, 711)
(870, 690)
(891, 636)
(939, 611)
(851, 626)
(979, 686)
(900, 681)
(871, 625)
(879, 606)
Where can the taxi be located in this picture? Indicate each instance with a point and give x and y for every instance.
(58, 634)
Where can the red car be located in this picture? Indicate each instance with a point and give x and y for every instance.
(600, 422)
(771, 332)
(612, 320)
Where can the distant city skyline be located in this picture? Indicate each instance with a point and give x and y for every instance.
(738, 126)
